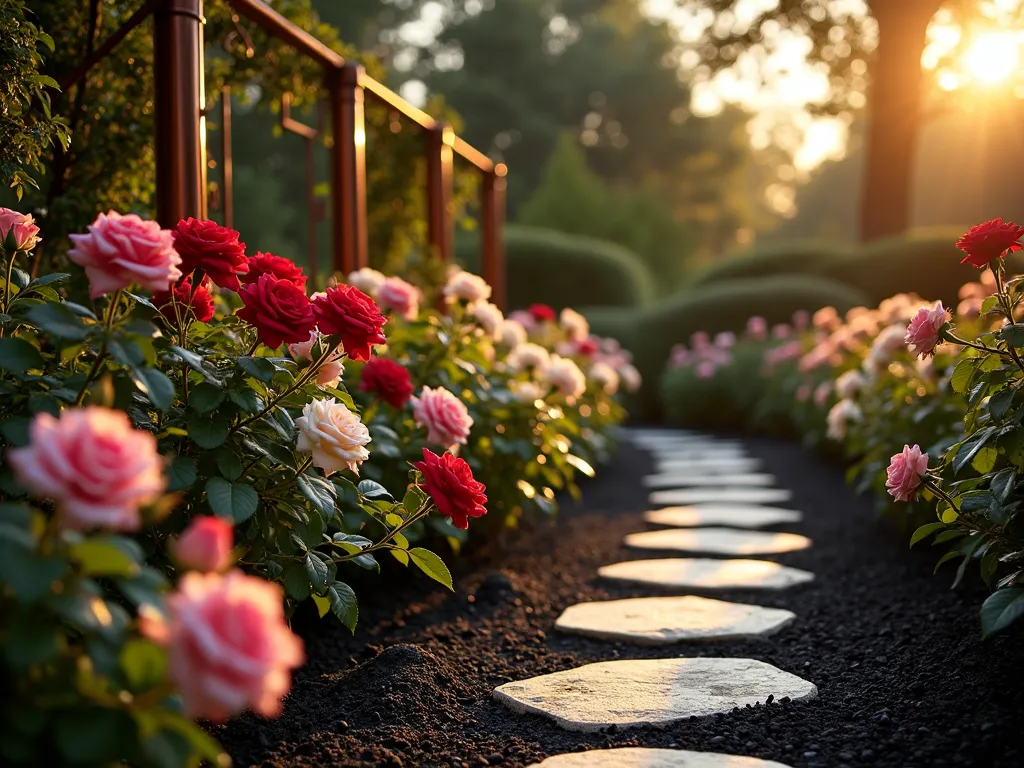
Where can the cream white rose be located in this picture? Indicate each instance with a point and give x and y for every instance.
(467, 287)
(605, 377)
(366, 280)
(333, 434)
(512, 333)
(488, 317)
(574, 324)
(528, 357)
(565, 376)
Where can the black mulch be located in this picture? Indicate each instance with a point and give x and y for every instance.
(903, 677)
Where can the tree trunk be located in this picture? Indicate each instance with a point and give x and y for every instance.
(894, 115)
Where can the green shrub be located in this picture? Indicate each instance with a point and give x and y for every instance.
(651, 334)
(566, 270)
(926, 263)
(794, 257)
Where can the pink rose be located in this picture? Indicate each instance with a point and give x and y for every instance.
(18, 231)
(706, 369)
(93, 464)
(757, 328)
(924, 331)
(228, 643)
(400, 297)
(905, 472)
(205, 545)
(121, 250)
(445, 416)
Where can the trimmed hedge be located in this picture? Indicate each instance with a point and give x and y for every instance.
(926, 263)
(562, 270)
(652, 333)
(795, 257)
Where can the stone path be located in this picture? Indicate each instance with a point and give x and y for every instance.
(667, 620)
(718, 541)
(637, 757)
(680, 479)
(720, 500)
(733, 515)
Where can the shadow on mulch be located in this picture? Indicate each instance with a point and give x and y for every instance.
(903, 676)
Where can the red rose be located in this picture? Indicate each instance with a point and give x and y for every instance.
(201, 301)
(212, 248)
(280, 312)
(542, 313)
(989, 241)
(388, 380)
(278, 266)
(449, 482)
(352, 315)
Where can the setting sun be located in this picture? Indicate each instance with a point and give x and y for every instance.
(993, 57)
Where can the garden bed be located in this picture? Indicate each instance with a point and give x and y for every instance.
(903, 676)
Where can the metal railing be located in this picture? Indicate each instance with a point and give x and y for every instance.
(181, 156)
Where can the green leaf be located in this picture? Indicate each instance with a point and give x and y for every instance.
(18, 356)
(400, 555)
(237, 501)
(344, 604)
(31, 640)
(432, 565)
(258, 367)
(1012, 334)
(205, 398)
(319, 574)
(28, 574)
(104, 557)
(949, 516)
(144, 664)
(246, 399)
(156, 386)
(296, 580)
(1001, 609)
(51, 279)
(984, 460)
(93, 735)
(207, 433)
(57, 320)
(374, 491)
(228, 463)
(323, 604)
(925, 531)
(999, 404)
(191, 359)
(1002, 483)
(320, 492)
(962, 375)
(182, 473)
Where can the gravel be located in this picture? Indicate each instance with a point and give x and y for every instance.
(903, 676)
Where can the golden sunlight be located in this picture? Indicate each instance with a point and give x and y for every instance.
(992, 57)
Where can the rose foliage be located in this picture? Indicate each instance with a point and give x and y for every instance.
(184, 464)
(925, 404)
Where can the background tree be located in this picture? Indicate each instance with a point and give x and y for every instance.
(524, 73)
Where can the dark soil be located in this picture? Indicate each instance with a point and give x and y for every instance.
(903, 676)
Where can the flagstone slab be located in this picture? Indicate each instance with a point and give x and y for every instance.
(682, 496)
(725, 465)
(732, 515)
(677, 573)
(718, 541)
(667, 620)
(683, 479)
(641, 757)
(638, 692)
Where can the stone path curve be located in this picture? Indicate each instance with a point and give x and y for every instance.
(722, 499)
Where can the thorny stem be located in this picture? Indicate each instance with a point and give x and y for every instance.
(115, 300)
(272, 403)
(1004, 303)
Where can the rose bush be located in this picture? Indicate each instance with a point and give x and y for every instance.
(924, 403)
(183, 458)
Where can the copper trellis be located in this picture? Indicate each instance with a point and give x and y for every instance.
(181, 136)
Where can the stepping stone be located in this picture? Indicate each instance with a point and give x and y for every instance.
(709, 466)
(718, 541)
(699, 454)
(683, 496)
(667, 620)
(733, 515)
(638, 692)
(640, 757)
(705, 573)
(679, 479)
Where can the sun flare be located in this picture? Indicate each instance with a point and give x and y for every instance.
(992, 57)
